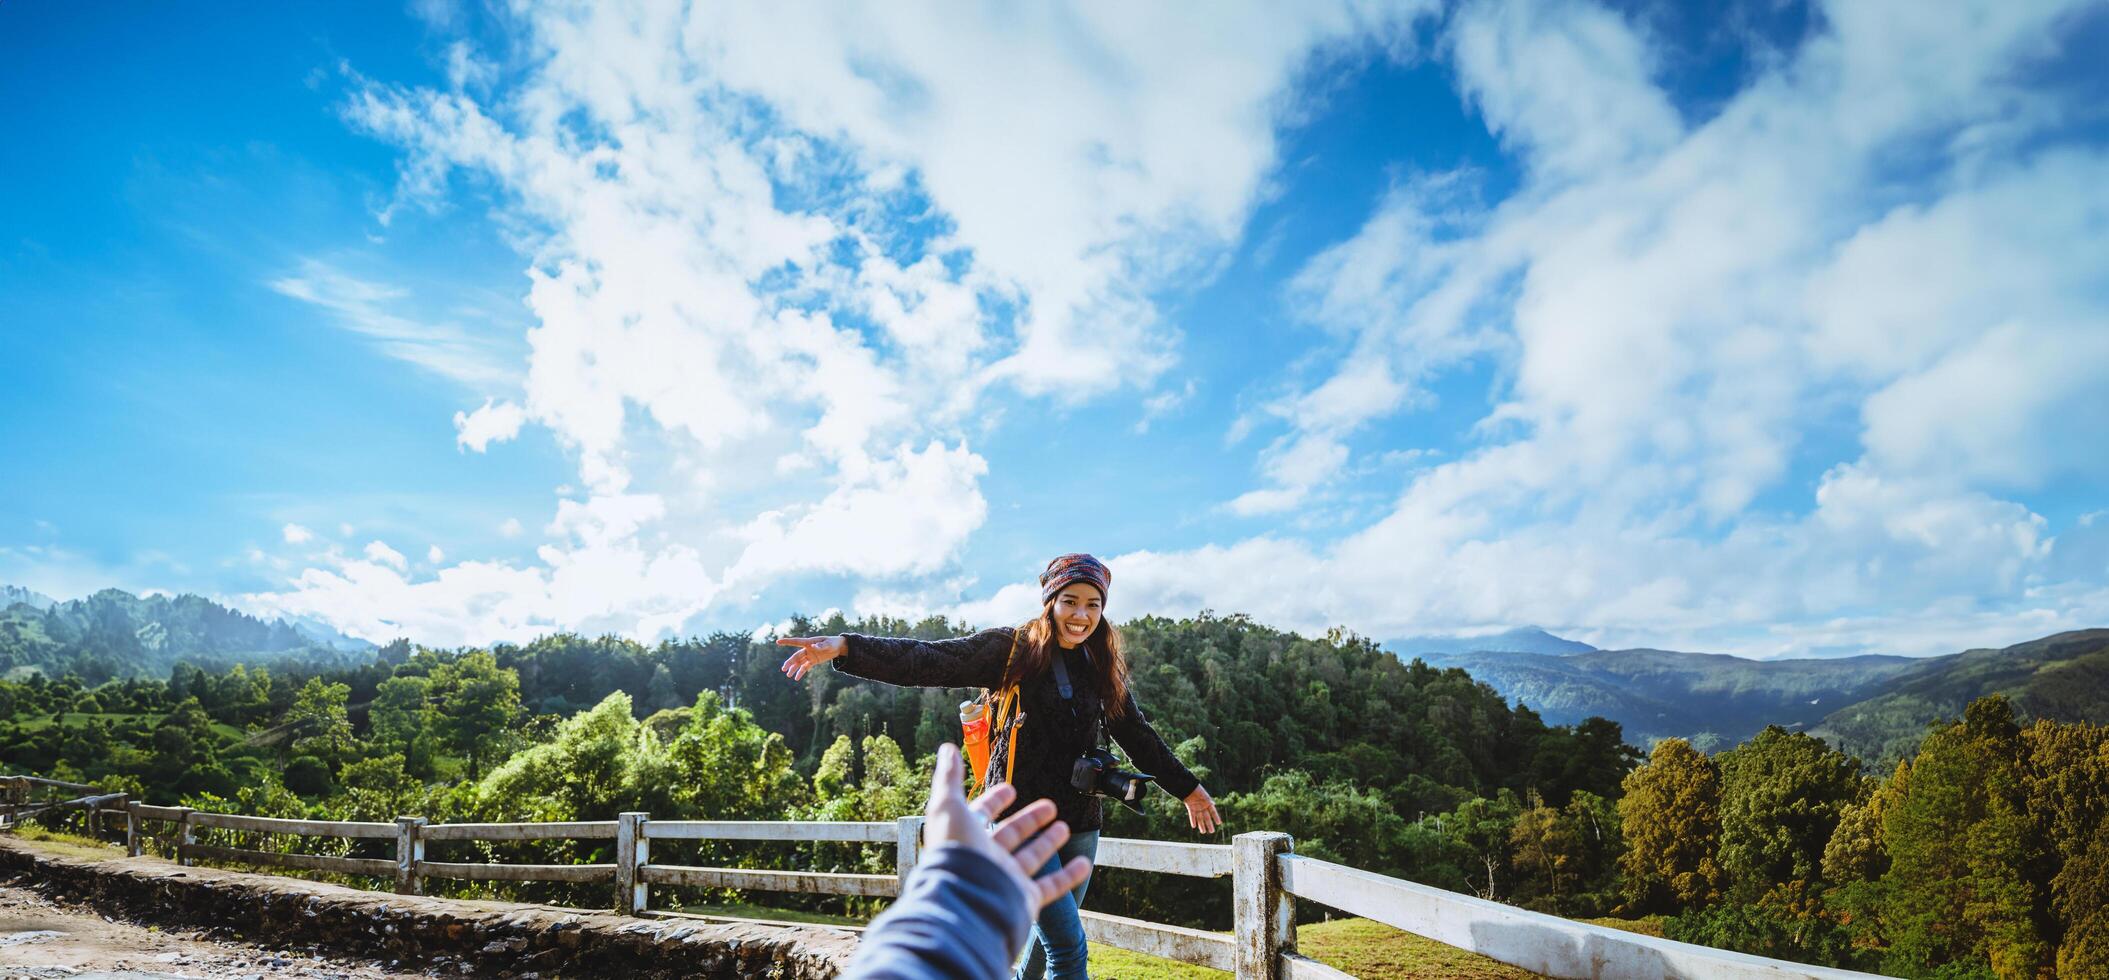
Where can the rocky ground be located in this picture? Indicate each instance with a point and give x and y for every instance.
(43, 939)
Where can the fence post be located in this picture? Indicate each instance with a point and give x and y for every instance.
(1263, 915)
(132, 845)
(409, 855)
(124, 806)
(186, 835)
(131, 827)
(908, 848)
(632, 851)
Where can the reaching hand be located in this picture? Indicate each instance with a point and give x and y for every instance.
(1201, 811)
(949, 818)
(812, 652)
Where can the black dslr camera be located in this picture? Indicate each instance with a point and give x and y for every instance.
(1098, 773)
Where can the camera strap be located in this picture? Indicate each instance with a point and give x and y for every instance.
(1061, 673)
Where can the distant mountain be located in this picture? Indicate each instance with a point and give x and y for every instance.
(2063, 678)
(11, 594)
(115, 634)
(1714, 699)
(1875, 707)
(1527, 639)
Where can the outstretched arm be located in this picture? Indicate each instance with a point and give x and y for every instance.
(967, 661)
(1136, 735)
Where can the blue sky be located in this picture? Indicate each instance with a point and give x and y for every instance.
(1780, 330)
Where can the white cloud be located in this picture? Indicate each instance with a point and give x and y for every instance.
(1162, 404)
(592, 578)
(380, 552)
(434, 555)
(450, 350)
(909, 517)
(494, 422)
(510, 527)
(1083, 154)
(1679, 313)
(1568, 84)
(1675, 310)
(785, 249)
(295, 534)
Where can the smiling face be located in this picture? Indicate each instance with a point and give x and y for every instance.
(1076, 612)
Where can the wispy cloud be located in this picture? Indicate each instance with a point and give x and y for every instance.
(480, 360)
(822, 244)
(1677, 310)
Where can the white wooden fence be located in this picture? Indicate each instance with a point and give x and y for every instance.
(1267, 877)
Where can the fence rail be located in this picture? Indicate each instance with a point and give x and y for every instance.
(1267, 878)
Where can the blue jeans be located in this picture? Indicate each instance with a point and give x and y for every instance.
(1057, 947)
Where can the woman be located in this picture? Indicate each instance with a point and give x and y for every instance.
(1051, 731)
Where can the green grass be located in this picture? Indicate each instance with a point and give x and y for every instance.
(79, 719)
(1119, 964)
(1646, 926)
(748, 910)
(1357, 946)
(76, 719)
(1374, 950)
(70, 845)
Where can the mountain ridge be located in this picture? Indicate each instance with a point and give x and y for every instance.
(1873, 706)
(1521, 639)
(115, 634)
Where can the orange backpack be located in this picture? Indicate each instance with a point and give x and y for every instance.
(975, 721)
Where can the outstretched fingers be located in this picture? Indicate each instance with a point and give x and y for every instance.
(944, 779)
(798, 663)
(991, 803)
(1062, 881)
(1036, 851)
(1022, 825)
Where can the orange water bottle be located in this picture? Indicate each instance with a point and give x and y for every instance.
(974, 724)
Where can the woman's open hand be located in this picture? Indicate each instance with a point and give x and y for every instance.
(1201, 811)
(812, 652)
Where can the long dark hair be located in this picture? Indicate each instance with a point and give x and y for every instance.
(1036, 652)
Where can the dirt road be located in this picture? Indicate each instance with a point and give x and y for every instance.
(46, 940)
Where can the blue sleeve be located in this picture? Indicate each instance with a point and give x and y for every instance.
(960, 918)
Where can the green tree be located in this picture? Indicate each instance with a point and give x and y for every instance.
(2081, 896)
(477, 702)
(659, 692)
(1548, 854)
(1962, 848)
(404, 723)
(1856, 851)
(1670, 819)
(319, 721)
(309, 777)
(1781, 797)
(378, 788)
(401, 710)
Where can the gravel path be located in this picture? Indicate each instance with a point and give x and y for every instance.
(43, 939)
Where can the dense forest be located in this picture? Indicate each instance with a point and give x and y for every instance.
(1983, 854)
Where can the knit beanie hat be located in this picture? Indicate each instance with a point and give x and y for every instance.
(1070, 569)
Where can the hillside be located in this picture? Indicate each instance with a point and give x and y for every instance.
(115, 634)
(1714, 699)
(2063, 678)
(1525, 639)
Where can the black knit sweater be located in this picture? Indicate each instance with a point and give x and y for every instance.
(1052, 735)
